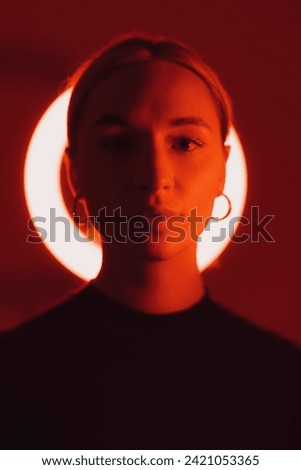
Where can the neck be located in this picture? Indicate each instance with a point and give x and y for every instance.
(153, 286)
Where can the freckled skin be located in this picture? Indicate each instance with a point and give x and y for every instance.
(150, 164)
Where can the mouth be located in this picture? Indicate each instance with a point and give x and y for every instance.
(162, 212)
(153, 216)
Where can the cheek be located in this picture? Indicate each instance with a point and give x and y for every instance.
(203, 189)
(101, 187)
(102, 196)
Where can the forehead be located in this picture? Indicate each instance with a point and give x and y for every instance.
(146, 93)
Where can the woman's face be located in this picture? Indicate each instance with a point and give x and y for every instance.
(149, 143)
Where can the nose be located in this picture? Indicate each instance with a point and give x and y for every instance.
(154, 172)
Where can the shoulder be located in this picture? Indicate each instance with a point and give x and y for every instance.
(54, 325)
(247, 340)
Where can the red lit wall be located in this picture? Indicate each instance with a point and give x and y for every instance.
(255, 48)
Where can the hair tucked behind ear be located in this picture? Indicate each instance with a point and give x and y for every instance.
(138, 46)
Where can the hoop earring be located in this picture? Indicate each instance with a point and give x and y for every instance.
(77, 198)
(218, 219)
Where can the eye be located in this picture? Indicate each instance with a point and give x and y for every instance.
(187, 144)
(115, 144)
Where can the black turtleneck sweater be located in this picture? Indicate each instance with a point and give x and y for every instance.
(91, 373)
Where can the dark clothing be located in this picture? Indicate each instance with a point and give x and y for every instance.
(91, 373)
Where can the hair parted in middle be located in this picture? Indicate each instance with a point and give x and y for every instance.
(138, 46)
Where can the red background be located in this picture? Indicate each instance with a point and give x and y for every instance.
(254, 46)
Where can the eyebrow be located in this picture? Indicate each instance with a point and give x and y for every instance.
(111, 120)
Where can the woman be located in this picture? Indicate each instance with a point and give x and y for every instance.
(142, 357)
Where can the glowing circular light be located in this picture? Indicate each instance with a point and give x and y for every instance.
(236, 189)
(43, 192)
(43, 195)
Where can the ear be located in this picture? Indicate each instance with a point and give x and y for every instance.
(71, 173)
(226, 151)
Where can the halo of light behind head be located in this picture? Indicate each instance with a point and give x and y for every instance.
(43, 192)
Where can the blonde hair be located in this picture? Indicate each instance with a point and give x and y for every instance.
(137, 46)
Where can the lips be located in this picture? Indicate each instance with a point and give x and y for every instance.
(158, 212)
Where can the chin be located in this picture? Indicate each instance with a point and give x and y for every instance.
(157, 252)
